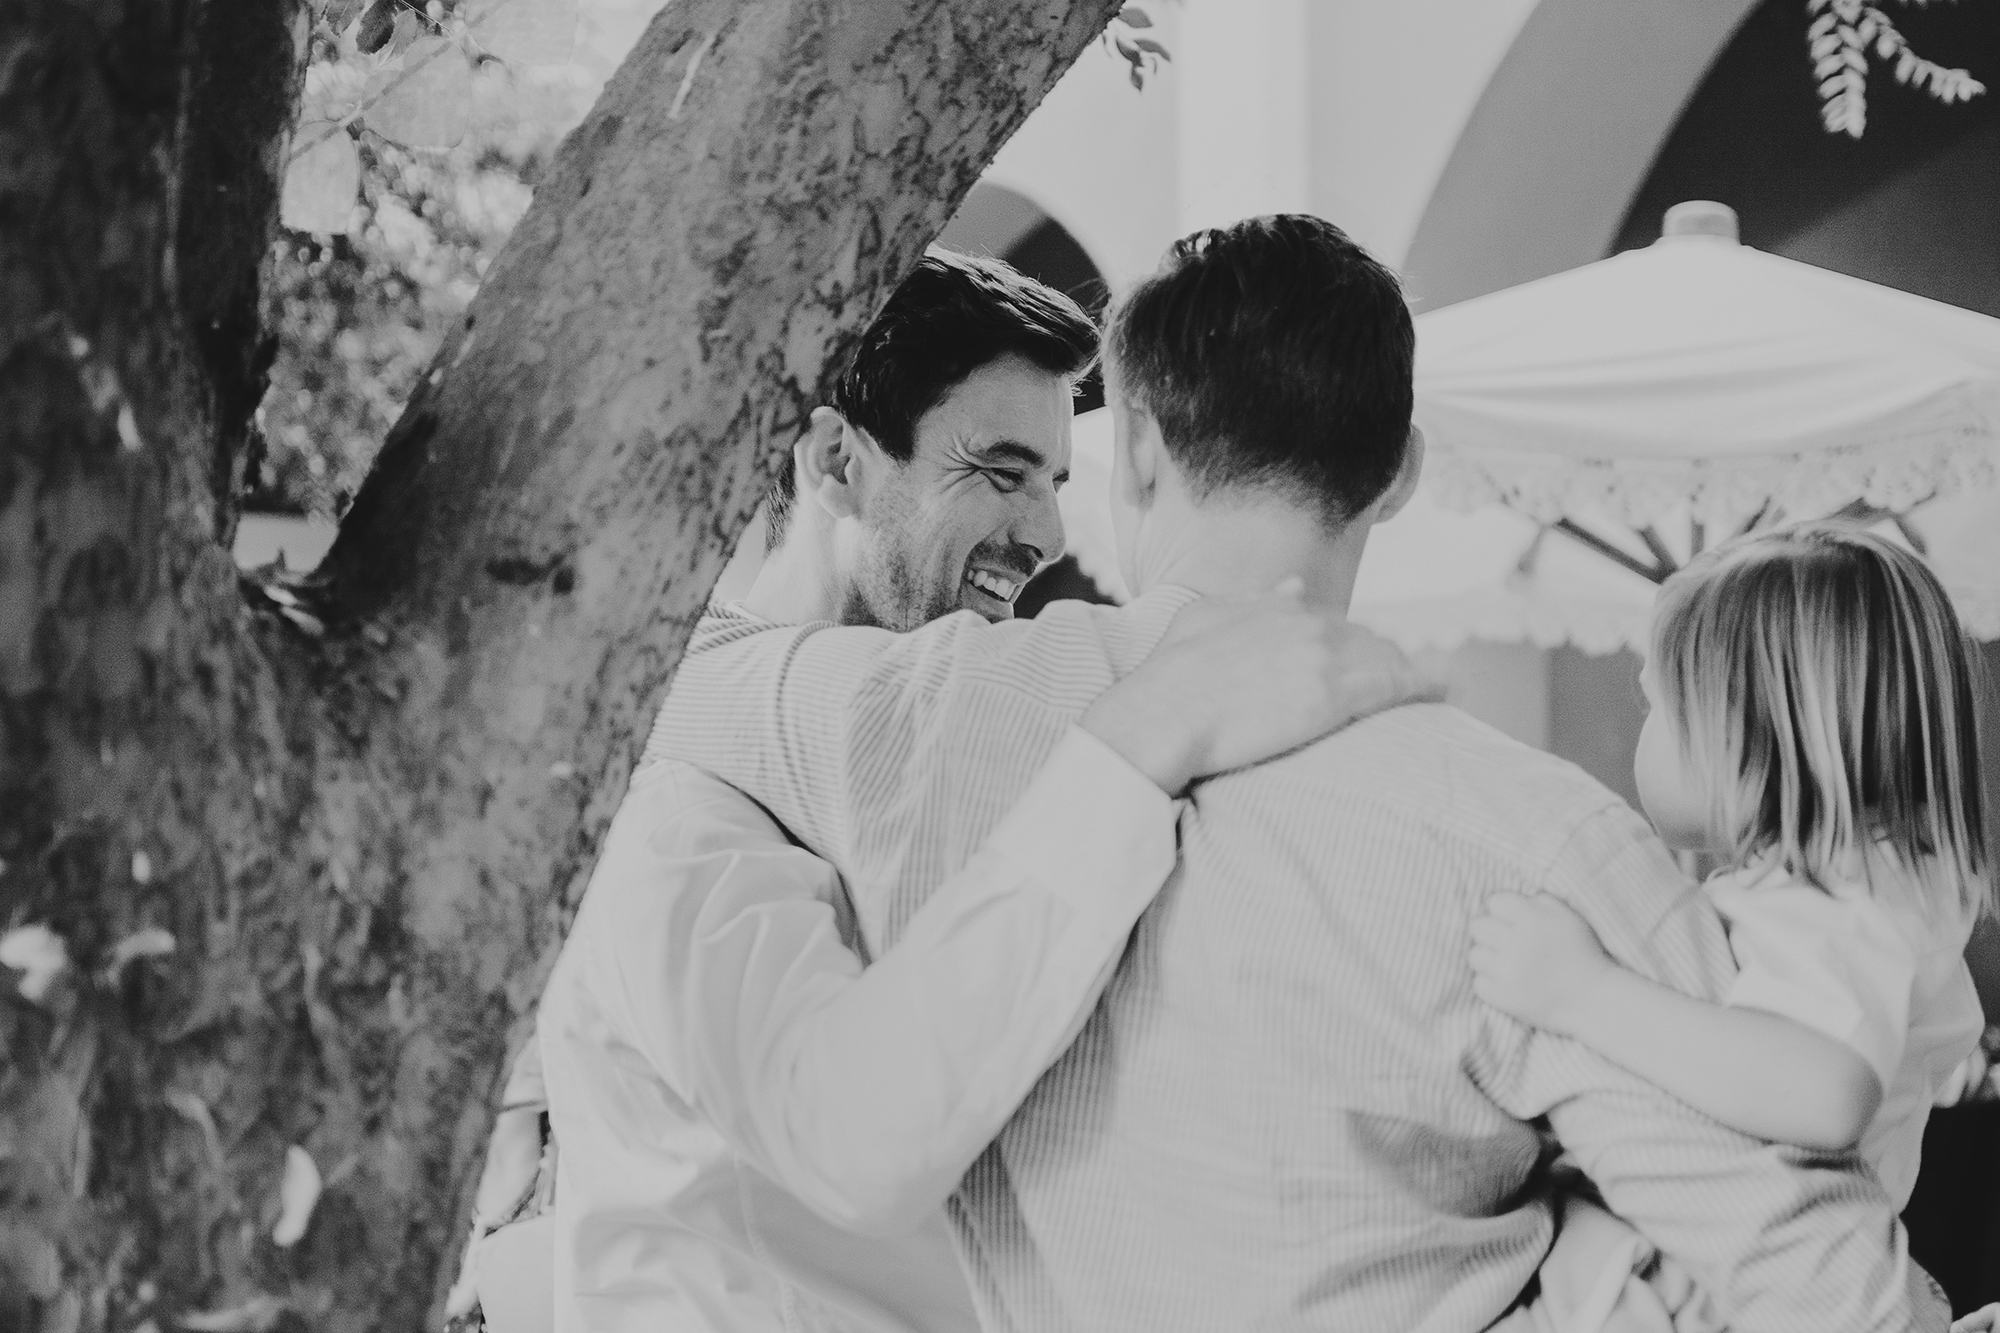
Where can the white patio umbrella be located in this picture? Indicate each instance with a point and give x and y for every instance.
(1634, 409)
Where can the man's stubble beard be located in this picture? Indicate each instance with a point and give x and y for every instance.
(890, 590)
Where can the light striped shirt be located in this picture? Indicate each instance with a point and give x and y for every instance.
(735, 1097)
(1289, 1110)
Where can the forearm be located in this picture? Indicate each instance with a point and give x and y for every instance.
(869, 1095)
(1758, 1073)
(1783, 1238)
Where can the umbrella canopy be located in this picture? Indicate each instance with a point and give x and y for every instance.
(1650, 402)
(1702, 373)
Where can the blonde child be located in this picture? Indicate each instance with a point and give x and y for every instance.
(1812, 725)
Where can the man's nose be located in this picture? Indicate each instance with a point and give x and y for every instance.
(1042, 530)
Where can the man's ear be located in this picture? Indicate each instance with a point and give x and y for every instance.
(1405, 485)
(1140, 452)
(826, 465)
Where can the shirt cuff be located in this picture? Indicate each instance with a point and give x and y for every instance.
(1092, 830)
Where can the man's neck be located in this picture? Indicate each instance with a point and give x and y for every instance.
(796, 584)
(1249, 548)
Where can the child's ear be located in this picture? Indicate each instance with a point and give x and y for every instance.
(828, 469)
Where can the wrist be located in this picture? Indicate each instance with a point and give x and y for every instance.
(1158, 750)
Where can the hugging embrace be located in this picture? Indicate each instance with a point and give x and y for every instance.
(1181, 965)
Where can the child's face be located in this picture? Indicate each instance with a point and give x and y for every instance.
(1673, 799)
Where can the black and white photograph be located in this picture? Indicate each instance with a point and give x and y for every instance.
(999, 666)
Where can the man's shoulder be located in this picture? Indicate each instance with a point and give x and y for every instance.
(1067, 646)
(673, 803)
(1435, 768)
(1070, 641)
(674, 830)
(1413, 753)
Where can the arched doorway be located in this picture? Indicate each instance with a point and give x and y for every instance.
(1914, 203)
(1560, 140)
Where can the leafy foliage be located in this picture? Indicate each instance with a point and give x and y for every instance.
(420, 135)
(1143, 54)
(1841, 35)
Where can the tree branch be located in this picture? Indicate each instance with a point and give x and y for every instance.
(511, 589)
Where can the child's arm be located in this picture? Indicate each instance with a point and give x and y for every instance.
(1758, 1073)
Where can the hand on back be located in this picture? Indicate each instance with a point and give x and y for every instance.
(1535, 959)
(1239, 680)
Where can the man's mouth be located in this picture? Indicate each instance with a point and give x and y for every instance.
(1000, 587)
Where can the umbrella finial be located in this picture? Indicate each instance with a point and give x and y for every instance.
(1700, 217)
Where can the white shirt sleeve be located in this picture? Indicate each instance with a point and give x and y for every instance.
(867, 1093)
(823, 724)
(1836, 965)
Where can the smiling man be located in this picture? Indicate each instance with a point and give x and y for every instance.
(943, 453)
(758, 1127)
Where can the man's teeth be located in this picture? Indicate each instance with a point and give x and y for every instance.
(993, 584)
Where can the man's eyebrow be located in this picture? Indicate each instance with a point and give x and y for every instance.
(1014, 450)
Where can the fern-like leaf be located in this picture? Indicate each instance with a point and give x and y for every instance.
(1839, 39)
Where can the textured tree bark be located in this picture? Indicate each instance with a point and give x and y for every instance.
(363, 804)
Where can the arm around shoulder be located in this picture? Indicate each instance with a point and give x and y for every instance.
(868, 1093)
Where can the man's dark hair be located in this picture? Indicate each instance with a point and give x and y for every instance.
(1275, 353)
(952, 315)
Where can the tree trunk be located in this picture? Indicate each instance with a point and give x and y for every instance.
(363, 805)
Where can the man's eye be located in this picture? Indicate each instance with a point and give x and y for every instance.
(1004, 480)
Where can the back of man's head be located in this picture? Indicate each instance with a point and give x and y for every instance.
(1276, 355)
(953, 314)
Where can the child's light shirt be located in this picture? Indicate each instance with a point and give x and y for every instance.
(1869, 970)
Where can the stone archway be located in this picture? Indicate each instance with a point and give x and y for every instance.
(1560, 141)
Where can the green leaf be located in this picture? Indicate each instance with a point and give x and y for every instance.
(1134, 17)
(339, 13)
(527, 32)
(1148, 44)
(321, 183)
(377, 26)
(423, 101)
(408, 28)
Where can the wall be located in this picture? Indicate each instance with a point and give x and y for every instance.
(1561, 138)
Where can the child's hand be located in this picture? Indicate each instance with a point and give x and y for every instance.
(1979, 1321)
(1535, 959)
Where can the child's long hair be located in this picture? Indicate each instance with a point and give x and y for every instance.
(1827, 696)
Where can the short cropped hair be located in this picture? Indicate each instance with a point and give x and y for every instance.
(1827, 697)
(1274, 354)
(954, 314)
